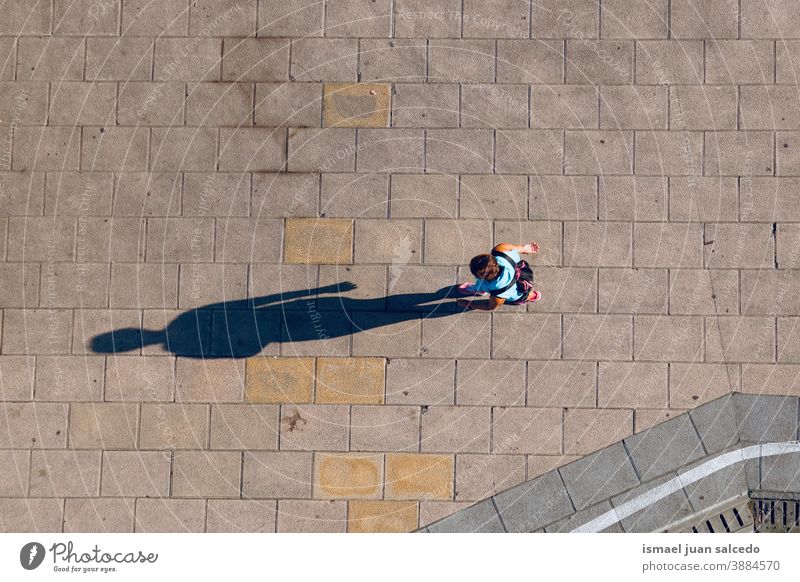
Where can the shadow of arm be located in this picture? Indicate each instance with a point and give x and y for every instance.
(290, 295)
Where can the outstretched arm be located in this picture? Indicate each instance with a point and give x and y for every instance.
(289, 295)
(528, 248)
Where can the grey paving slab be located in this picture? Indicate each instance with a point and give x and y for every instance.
(180, 59)
(599, 476)
(685, 335)
(458, 150)
(115, 148)
(16, 473)
(318, 427)
(425, 105)
(8, 50)
(136, 474)
(534, 61)
(312, 516)
(706, 107)
(50, 59)
(739, 61)
(479, 382)
(324, 59)
(127, 58)
(241, 516)
(147, 194)
(526, 335)
(780, 473)
(464, 59)
(25, 193)
(19, 285)
(69, 378)
(494, 197)
(46, 149)
(83, 104)
(18, 378)
(222, 18)
(534, 504)
(765, 418)
(478, 476)
(385, 428)
(175, 426)
(717, 424)
(629, 107)
(664, 447)
(38, 331)
(79, 194)
(271, 475)
(526, 430)
(393, 60)
(170, 515)
(633, 291)
(669, 61)
(65, 473)
(752, 472)
(467, 338)
(219, 104)
(31, 515)
(425, 382)
(183, 148)
(479, 518)
(206, 474)
(657, 516)
(610, 62)
(463, 429)
(384, 336)
(24, 103)
(564, 106)
(98, 515)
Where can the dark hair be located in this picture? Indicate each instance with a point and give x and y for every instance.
(484, 267)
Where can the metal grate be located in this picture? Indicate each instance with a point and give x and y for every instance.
(734, 518)
(776, 515)
(764, 511)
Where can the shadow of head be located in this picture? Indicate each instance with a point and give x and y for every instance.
(126, 339)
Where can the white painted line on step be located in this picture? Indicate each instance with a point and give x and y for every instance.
(683, 479)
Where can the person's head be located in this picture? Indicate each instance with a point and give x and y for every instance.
(484, 267)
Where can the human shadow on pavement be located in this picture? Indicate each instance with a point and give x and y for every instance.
(244, 327)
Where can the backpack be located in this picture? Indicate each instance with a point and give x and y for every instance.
(523, 279)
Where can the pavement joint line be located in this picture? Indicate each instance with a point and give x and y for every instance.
(628, 453)
(669, 19)
(497, 511)
(697, 432)
(738, 21)
(775, 66)
(566, 490)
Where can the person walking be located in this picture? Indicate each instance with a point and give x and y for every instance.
(502, 276)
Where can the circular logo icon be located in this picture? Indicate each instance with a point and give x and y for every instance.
(31, 555)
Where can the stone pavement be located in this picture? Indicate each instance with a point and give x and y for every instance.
(168, 166)
(680, 475)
